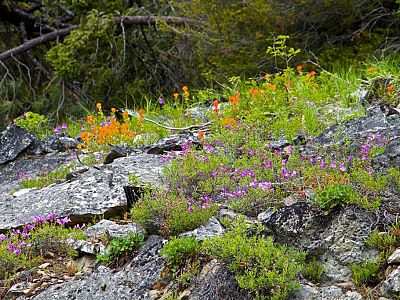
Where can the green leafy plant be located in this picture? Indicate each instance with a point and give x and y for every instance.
(280, 49)
(179, 250)
(46, 179)
(183, 258)
(170, 214)
(394, 175)
(34, 123)
(366, 273)
(385, 241)
(121, 246)
(259, 265)
(314, 271)
(334, 195)
(36, 243)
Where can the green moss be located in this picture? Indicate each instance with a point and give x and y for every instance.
(259, 265)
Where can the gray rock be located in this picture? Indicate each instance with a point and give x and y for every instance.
(394, 258)
(216, 282)
(96, 192)
(13, 141)
(356, 131)
(59, 142)
(12, 173)
(198, 112)
(112, 229)
(296, 224)
(390, 157)
(134, 281)
(312, 292)
(226, 213)
(105, 228)
(391, 285)
(265, 215)
(172, 142)
(212, 228)
(337, 239)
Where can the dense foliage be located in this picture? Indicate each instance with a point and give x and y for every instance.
(120, 63)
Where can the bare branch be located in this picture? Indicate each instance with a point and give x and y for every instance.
(36, 41)
(126, 20)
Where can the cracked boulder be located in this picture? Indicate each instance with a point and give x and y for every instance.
(210, 229)
(98, 191)
(337, 239)
(357, 130)
(133, 281)
(215, 281)
(58, 142)
(14, 141)
(105, 228)
(173, 142)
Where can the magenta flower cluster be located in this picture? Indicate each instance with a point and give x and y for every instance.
(60, 128)
(19, 239)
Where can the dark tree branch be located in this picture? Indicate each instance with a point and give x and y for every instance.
(36, 41)
(127, 20)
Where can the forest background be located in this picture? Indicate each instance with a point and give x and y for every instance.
(60, 58)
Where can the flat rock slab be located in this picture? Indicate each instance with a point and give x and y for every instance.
(357, 130)
(134, 281)
(13, 141)
(95, 192)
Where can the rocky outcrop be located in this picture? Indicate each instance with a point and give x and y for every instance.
(105, 229)
(59, 142)
(173, 142)
(212, 228)
(356, 131)
(136, 280)
(338, 239)
(99, 191)
(13, 141)
(215, 281)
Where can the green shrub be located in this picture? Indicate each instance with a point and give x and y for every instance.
(121, 246)
(367, 272)
(170, 214)
(179, 250)
(34, 123)
(334, 195)
(46, 179)
(314, 271)
(381, 240)
(394, 175)
(183, 258)
(259, 265)
(31, 245)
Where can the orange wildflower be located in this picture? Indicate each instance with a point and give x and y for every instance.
(389, 90)
(231, 121)
(89, 119)
(176, 95)
(234, 99)
(299, 68)
(253, 92)
(272, 86)
(125, 114)
(201, 134)
(311, 74)
(371, 69)
(315, 86)
(141, 112)
(215, 105)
